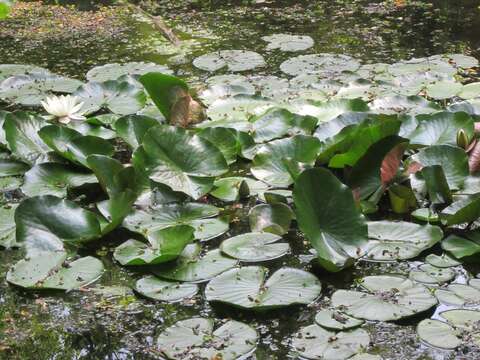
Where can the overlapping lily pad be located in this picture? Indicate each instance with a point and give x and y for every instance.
(460, 294)
(287, 42)
(158, 289)
(253, 247)
(400, 240)
(194, 266)
(388, 297)
(196, 339)
(50, 270)
(272, 218)
(314, 342)
(7, 226)
(114, 71)
(248, 288)
(459, 328)
(335, 320)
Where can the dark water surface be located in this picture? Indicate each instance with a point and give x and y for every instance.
(111, 322)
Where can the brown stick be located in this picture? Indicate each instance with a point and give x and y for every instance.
(158, 23)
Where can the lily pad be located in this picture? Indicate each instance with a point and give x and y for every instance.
(391, 241)
(248, 288)
(145, 221)
(388, 298)
(460, 328)
(335, 320)
(44, 223)
(464, 210)
(120, 97)
(235, 188)
(196, 339)
(272, 218)
(287, 42)
(442, 261)
(428, 274)
(164, 245)
(7, 226)
(21, 132)
(279, 162)
(31, 89)
(327, 214)
(314, 342)
(158, 289)
(72, 145)
(233, 60)
(114, 71)
(253, 247)
(193, 266)
(54, 179)
(460, 294)
(461, 247)
(183, 161)
(132, 128)
(326, 65)
(49, 270)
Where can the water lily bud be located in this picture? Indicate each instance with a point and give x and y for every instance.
(462, 139)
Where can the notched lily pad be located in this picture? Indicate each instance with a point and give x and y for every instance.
(233, 60)
(388, 298)
(196, 339)
(50, 270)
(314, 342)
(255, 246)
(248, 288)
(158, 289)
(335, 320)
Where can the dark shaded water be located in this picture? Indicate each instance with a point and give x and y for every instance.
(112, 323)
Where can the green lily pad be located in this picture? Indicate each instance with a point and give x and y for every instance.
(72, 145)
(9, 167)
(158, 289)
(145, 221)
(460, 247)
(327, 214)
(335, 320)
(314, 342)
(428, 274)
(425, 214)
(119, 96)
(272, 218)
(400, 240)
(235, 188)
(192, 266)
(441, 128)
(225, 140)
(49, 270)
(196, 339)
(8, 70)
(183, 161)
(399, 104)
(388, 298)
(233, 60)
(132, 128)
(279, 162)
(7, 226)
(452, 159)
(287, 42)
(460, 294)
(460, 328)
(325, 65)
(233, 112)
(54, 179)
(45, 222)
(442, 261)
(443, 89)
(21, 132)
(470, 91)
(164, 245)
(253, 247)
(114, 71)
(464, 210)
(248, 288)
(31, 89)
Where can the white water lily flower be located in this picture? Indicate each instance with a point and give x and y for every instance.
(65, 108)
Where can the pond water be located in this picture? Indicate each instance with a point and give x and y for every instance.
(111, 322)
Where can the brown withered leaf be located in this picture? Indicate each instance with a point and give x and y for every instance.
(185, 110)
(391, 163)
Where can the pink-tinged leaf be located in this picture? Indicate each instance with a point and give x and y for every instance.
(414, 167)
(391, 163)
(471, 146)
(474, 159)
(356, 195)
(477, 127)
